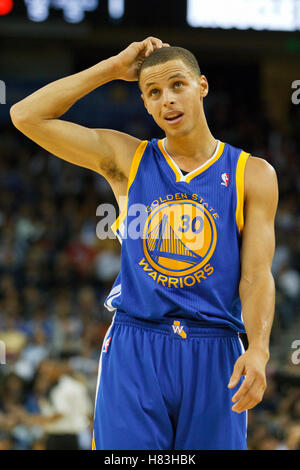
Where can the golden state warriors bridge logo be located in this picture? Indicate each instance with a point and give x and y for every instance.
(178, 241)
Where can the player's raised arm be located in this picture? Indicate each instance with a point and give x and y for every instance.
(105, 151)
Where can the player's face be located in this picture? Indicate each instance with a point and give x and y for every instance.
(173, 94)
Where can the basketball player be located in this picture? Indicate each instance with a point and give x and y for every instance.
(173, 373)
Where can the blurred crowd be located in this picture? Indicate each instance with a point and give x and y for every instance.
(55, 274)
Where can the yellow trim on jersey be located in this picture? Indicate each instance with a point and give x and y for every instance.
(93, 442)
(188, 178)
(132, 174)
(171, 164)
(240, 180)
(208, 164)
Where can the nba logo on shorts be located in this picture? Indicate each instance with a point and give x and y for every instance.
(106, 344)
(225, 178)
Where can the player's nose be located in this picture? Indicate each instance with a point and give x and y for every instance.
(168, 98)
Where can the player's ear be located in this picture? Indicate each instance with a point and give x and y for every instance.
(203, 83)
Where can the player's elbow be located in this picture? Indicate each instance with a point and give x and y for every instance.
(18, 115)
(15, 114)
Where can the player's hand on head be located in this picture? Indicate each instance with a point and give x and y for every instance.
(130, 59)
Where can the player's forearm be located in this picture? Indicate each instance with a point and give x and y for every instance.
(258, 304)
(54, 99)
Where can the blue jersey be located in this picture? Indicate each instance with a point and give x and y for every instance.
(181, 238)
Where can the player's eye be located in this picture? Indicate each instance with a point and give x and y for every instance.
(178, 84)
(154, 92)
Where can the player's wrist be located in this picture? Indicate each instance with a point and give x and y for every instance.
(107, 70)
(116, 68)
(260, 349)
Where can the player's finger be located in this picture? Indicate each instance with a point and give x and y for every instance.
(149, 48)
(244, 388)
(236, 375)
(248, 402)
(156, 41)
(151, 43)
(250, 398)
(246, 405)
(253, 385)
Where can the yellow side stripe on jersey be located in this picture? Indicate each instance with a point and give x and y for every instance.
(132, 174)
(240, 180)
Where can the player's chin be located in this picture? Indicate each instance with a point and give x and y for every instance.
(182, 132)
(174, 131)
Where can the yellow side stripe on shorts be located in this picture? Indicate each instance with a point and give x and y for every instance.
(240, 184)
(93, 442)
(132, 174)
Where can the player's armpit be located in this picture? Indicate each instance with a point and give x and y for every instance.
(105, 151)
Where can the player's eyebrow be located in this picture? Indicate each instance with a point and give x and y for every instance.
(176, 75)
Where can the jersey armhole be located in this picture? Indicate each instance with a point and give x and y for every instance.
(132, 174)
(240, 190)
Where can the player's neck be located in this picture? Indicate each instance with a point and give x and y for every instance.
(196, 147)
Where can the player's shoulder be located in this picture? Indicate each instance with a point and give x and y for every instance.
(258, 170)
(260, 176)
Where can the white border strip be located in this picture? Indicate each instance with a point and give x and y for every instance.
(100, 360)
(114, 293)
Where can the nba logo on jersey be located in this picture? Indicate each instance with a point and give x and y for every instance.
(106, 344)
(225, 178)
(178, 329)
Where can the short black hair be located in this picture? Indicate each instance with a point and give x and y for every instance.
(164, 54)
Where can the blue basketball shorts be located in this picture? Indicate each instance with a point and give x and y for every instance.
(163, 386)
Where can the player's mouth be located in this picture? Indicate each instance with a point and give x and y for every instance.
(173, 117)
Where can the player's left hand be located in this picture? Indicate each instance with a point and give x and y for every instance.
(252, 365)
